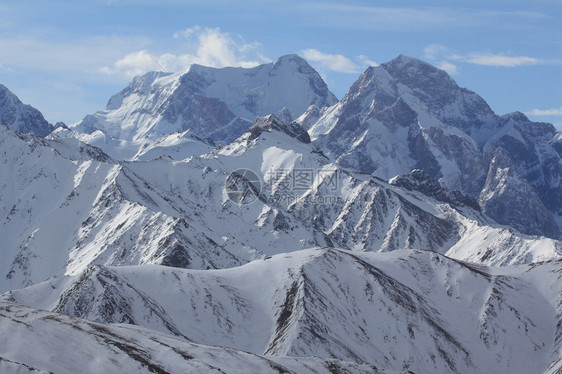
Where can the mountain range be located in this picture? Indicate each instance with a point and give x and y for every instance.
(407, 114)
(406, 227)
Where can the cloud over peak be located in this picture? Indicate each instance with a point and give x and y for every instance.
(207, 46)
(444, 58)
(333, 62)
(499, 60)
(545, 112)
(336, 62)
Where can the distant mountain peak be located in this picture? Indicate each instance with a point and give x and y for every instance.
(403, 59)
(518, 116)
(140, 85)
(416, 73)
(21, 117)
(290, 58)
(218, 103)
(407, 114)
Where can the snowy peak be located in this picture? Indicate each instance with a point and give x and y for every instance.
(215, 103)
(293, 59)
(424, 87)
(270, 122)
(288, 82)
(20, 117)
(142, 85)
(403, 72)
(417, 73)
(407, 114)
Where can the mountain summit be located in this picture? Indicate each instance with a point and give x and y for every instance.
(407, 114)
(219, 104)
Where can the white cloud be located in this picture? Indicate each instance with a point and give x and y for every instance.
(373, 17)
(434, 51)
(337, 63)
(81, 56)
(441, 57)
(366, 61)
(448, 67)
(187, 33)
(208, 46)
(135, 63)
(497, 60)
(545, 112)
(437, 54)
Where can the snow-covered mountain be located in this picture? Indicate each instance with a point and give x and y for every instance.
(364, 213)
(405, 310)
(66, 205)
(193, 225)
(217, 105)
(20, 117)
(407, 114)
(36, 341)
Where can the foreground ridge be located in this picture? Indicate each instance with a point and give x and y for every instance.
(36, 341)
(413, 310)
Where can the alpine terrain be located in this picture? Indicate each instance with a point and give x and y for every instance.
(245, 220)
(407, 114)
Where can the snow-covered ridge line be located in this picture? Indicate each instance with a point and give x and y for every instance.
(177, 212)
(413, 310)
(37, 341)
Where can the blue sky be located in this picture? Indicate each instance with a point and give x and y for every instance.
(67, 58)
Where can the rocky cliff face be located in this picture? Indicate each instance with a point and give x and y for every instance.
(418, 180)
(511, 200)
(20, 117)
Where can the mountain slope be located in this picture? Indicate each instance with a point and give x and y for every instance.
(405, 310)
(179, 145)
(65, 205)
(407, 114)
(511, 200)
(361, 212)
(20, 117)
(34, 341)
(177, 213)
